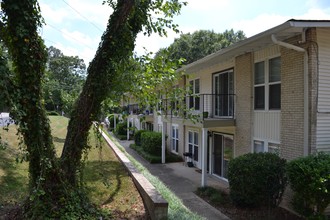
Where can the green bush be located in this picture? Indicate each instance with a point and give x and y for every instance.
(53, 113)
(309, 178)
(137, 137)
(121, 128)
(169, 157)
(257, 179)
(151, 142)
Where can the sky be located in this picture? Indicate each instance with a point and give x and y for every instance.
(76, 26)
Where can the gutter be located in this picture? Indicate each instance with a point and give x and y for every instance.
(306, 113)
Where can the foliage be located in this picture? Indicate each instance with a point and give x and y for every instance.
(121, 128)
(151, 142)
(257, 179)
(170, 158)
(215, 196)
(65, 76)
(201, 43)
(53, 113)
(309, 178)
(137, 137)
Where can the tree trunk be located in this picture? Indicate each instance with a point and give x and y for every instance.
(117, 45)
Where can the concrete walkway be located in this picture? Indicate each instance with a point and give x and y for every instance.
(183, 181)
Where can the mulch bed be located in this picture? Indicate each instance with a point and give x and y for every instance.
(235, 213)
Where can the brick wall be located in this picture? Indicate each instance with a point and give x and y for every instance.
(292, 103)
(243, 79)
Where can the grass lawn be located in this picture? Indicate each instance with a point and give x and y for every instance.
(107, 181)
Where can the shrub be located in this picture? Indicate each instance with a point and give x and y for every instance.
(309, 178)
(257, 179)
(53, 113)
(137, 137)
(121, 128)
(151, 142)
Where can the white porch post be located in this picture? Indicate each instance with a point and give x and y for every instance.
(163, 141)
(128, 128)
(204, 156)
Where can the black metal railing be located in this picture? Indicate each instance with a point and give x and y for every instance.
(136, 109)
(204, 105)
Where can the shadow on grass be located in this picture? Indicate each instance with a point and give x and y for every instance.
(13, 179)
(59, 140)
(108, 174)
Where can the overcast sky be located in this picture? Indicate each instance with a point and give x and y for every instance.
(76, 26)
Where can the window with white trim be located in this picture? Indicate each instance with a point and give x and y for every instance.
(260, 146)
(175, 138)
(267, 84)
(193, 144)
(194, 100)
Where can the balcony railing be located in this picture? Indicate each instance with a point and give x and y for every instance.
(136, 110)
(203, 105)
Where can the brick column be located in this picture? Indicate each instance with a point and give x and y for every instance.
(243, 83)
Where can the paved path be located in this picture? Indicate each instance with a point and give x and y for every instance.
(183, 181)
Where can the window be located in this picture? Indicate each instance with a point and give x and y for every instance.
(274, 148)
(175, 139)
(194, 94)
(193, 144)
(267, 84)
(259, 146)
(266, 146)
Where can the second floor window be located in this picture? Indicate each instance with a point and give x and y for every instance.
(194, 99)
(267, 84)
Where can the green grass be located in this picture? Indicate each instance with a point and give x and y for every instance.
(177, 210)
(108, 184)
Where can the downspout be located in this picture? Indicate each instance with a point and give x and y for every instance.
(306, 115)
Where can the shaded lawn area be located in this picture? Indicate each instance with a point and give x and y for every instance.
(108, 184)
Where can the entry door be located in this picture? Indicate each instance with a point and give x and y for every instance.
(222, 153)
(223, 90)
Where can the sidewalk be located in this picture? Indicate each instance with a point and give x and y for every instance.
(183, 181)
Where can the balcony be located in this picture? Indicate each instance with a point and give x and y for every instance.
(209, 109)
(135, 109)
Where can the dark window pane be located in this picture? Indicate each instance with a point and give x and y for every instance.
(197, 86)
(259, 73)
(259, 97)
(275, 70)
(196, 103)
(195, 153)
(275, 96)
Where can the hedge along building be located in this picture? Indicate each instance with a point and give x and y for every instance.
(268, 93)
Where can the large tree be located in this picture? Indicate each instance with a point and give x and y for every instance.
(55, 187)
(196, 45)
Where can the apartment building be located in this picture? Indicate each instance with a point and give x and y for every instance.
(268, 93)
